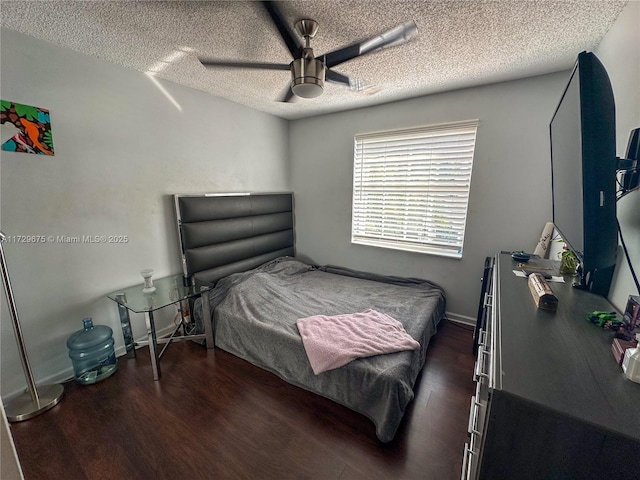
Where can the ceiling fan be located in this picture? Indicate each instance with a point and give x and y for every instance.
(308, 72)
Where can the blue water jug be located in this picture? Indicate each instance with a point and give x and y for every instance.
(91, 352)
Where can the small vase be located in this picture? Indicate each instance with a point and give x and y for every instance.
(148, 281)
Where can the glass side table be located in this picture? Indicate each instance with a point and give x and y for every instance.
(168, 291)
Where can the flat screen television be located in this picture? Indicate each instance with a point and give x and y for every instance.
(583, 168)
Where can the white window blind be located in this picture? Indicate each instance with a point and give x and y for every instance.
(411, 188)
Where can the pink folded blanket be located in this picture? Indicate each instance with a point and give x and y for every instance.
(334, 341)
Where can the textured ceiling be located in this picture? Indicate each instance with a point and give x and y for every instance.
(459, 43)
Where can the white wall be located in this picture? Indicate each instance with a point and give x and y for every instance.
(121, 149)
(619, 51)
(511, 188)
(510, 198)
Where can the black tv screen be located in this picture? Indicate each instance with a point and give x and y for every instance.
(583, 167)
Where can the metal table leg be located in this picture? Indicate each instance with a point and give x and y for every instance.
(153, 344)
(125, 323)
(206, 318)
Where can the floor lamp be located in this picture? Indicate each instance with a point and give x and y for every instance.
(35, 400)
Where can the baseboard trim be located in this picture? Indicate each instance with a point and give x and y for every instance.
(67, 374)
(455, 317)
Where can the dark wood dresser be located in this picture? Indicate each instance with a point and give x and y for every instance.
(551, 402)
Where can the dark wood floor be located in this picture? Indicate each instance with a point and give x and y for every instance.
(214, 416)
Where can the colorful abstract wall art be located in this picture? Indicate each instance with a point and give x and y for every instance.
(34, 125)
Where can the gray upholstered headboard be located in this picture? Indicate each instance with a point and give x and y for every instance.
(221, 234)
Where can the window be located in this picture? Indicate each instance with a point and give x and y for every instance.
(411, 188)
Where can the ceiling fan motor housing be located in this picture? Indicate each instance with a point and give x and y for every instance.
(308, 77)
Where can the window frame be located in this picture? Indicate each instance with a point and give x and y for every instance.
(434, 153)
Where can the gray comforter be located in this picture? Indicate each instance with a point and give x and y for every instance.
(255, 317)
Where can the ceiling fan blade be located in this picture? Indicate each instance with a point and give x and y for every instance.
(288, 36)
(287, 95)
(215, 63)
(353, 84)
(337, 77)
(390, 38)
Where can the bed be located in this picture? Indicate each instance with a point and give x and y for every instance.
(245, 245)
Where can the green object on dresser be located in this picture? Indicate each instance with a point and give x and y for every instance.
(568, 263)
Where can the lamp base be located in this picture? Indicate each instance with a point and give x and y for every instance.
(23, 408)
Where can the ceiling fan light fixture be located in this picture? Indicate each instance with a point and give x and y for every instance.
(308, 77)
(307, 87)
